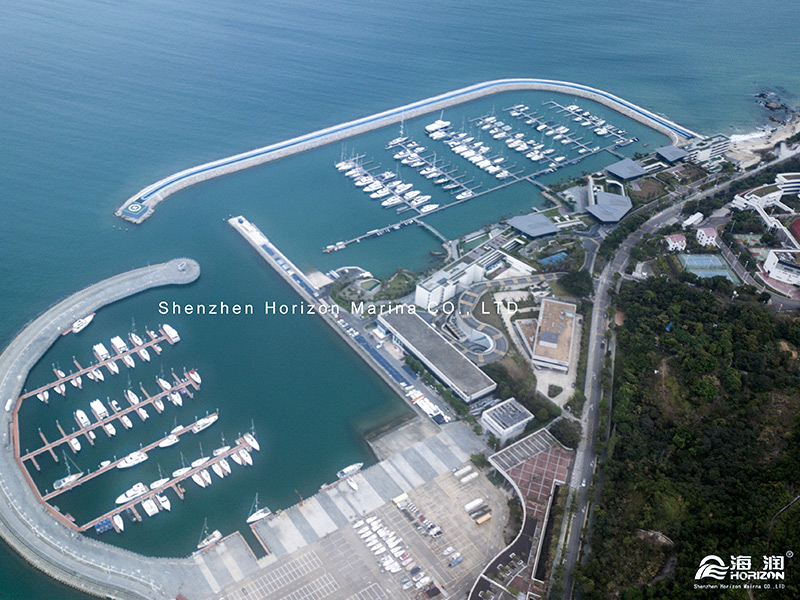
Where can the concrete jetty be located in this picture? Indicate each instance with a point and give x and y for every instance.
(48, 544)
(141, 205)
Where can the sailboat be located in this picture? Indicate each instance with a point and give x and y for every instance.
(160, 481)
(206, 539)
(70, 478)
(256, 514)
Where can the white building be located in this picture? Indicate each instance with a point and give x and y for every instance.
(506, 420)
(710, 149)
(446, 283)
(783, 265)
(552, 347)
(789, 183)
(707, 236)
(675, 242)
(769, 196)
(693, 220)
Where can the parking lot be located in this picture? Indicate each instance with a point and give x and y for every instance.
(341, 566)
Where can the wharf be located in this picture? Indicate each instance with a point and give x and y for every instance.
(172, 483)
(181, 384)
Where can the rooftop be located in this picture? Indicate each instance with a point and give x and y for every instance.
(789, 176)
(708, 231)
(433, 349)
(671, 153)
(609, 208)
(626, 169)
(764, 190)
(533, 225)
(554, 336)
(508, 413)
(676, 237)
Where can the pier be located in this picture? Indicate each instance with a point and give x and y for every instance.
(112, 416)
(142, 204)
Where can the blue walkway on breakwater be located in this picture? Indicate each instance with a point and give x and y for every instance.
(141, 205)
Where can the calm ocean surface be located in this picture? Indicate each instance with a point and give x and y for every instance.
(100, 99)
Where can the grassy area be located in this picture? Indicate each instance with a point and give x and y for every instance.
(398, 285)
(369, 284)
(551, 212)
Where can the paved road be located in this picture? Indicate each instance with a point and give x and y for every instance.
(586, 457)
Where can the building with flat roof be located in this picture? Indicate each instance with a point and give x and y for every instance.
(710, 149)
(789, 183)
(506, 420)
(707, 236)
(533, 225)
(784, 265)
(554, 335)
(626, 169)
(608, 207)
(675, 242)
(457, 276)
(671, 154)
(436, 353)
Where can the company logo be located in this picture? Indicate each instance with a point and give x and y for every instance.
(712, 566)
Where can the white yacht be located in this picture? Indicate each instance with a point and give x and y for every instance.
(143, 413)
(137, 490)
(144, 354)
(165, 385)
(195, 376)
(110, 429)
(83, 420)
(75, 444)
(112, 367)
(126, 421)
(172, 335)
(168, 441)
(135, 339)
(205, 423)
(251, 441)
(99, 409)
(150, 507)
(246, 458)
(163, 501)
(175, 398)
(133, 459)
(128, 360)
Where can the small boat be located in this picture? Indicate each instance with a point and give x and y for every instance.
(132, 398)
(43, 396)
(144, 354)
(112, 367)
(65, 481)
(246, 458)
(80, 324)
(77, 382)
(143, 414)
(206, 539)
(237, 459)
(150, 507)
(218, 470)
(104, 464)
(168, 441)
(251, 441)
(133, 459)
(83, 420)
(110, 429)
(206, 476)
(135, 339)
(60, 389)
(99, 409)
(221, 450)
(172, 335)
(158, 483)
(126, 421)
(349, 470)
(199, 480)
(175, 398)
(159, 404)
(163, 501)
(256, 514)
(92, 435)
(195, 376)
(115, 406)
(205, 423)
(352, 484)
(117, 519)
(60, 373)
(200, 461)
(181, 472)
(226, 467)
(157, 348)
(128, 360)
(163, 383)
(137, 490)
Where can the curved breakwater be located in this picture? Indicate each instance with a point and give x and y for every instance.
(141, 205)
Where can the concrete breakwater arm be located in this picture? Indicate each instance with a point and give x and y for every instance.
(25, 524)
(141, 205)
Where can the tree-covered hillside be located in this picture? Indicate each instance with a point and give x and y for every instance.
(705, 444)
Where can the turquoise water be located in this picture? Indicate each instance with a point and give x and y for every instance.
(100, 99)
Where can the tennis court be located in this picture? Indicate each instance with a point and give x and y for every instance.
(707, 265)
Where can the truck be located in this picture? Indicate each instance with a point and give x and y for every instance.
(483, 519)
(470, 506)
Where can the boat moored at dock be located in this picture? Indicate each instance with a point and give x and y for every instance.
(138, 489)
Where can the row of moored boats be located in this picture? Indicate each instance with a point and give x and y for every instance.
(386, 187)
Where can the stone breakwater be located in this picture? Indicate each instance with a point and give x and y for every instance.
(142, 204)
